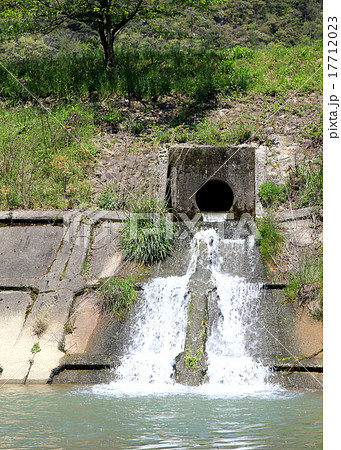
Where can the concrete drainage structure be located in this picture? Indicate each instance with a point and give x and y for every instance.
(211, 178)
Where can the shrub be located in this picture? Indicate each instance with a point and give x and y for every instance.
(149, 232)
(271, 193)
(117, 296)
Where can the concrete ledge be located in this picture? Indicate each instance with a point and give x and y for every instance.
(56, 217)
(295, 214)
(299, 380)
(31, 216)
(83, 369)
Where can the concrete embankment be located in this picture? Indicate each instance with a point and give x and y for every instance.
(47, 259)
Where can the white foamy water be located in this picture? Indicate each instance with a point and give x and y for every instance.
(160, 328)
(159, 332)
(229, 361)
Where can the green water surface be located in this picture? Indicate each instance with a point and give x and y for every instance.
(74, 417)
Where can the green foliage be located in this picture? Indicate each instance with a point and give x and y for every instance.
(271, 193)
(41, 165)
(149, 233)
(305, 285)
(36, 348)
(305, 184)
(192, 361)
(271, 238)
(111, 198)
(117, 296)
(251, 23)
(107, 18)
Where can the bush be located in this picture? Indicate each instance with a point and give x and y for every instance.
(271, 193)
(117, 296)
(149, 232)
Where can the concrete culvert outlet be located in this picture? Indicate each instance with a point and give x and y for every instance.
(214, 196)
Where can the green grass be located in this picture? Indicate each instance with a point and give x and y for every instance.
(146, 74)
(117, 296)
(305, 184)
(148, 235)
(280, 69)
(139, 75)
(271, 193)
(271, 239)
(305, 285)
(41, 164)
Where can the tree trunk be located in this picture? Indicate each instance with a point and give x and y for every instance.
(110, 49)
(107, 41)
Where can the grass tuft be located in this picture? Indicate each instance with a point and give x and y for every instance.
(117, 296)
(149, 233)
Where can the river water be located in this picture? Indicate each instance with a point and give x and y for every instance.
(75, 417)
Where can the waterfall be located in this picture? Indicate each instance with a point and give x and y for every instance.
(159, 331)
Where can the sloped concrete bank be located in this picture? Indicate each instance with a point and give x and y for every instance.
(43, 261)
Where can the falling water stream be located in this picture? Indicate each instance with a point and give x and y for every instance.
(159, 331)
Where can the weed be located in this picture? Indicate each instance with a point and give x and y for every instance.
(61, 345)
(117, 296)
(192, 361)
(305, 184)
(305, 285)
(111, 198)
(68, 327)
(149, 232)
(271, 238)
(271, 193)
(36, 348)
(41, 322)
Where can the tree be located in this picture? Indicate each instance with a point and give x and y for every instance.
(107, 17)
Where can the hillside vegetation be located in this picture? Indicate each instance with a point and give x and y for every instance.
(53, 110)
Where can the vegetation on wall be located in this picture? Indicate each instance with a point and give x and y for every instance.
(117, 296)
(149, 233)
(305, 284)
(271, 193)
(304, 277)
(271, 239)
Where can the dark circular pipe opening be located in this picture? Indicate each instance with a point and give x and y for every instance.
(214, 196)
